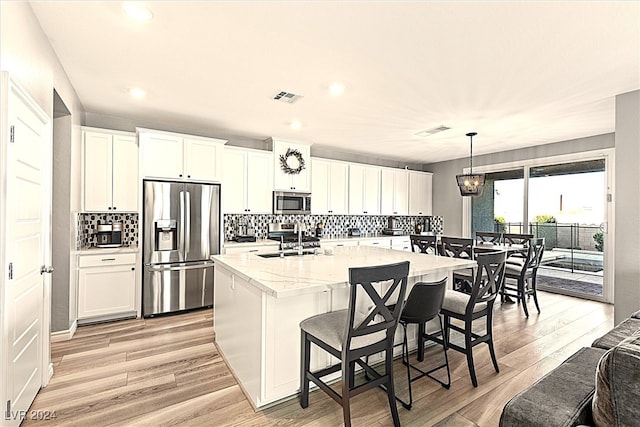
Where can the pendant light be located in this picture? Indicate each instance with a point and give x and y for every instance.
(471, 184)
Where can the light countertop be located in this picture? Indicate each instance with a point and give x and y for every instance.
(103, 251)
(326, 239)
(298, 275)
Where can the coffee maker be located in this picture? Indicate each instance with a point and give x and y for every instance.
(109, 235)
(393, 227)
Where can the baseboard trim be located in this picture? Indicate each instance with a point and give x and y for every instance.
(65, 335)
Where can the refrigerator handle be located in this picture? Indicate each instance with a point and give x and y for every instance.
(182, 226)
(187, 237)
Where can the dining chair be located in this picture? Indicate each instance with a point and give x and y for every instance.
(458, 247)
(523, 240)
(365, 328)
(478, 304)
(423, 244)
(524, 274)
(488, 237)
(422, 305)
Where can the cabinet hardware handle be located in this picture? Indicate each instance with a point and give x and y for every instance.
(180, 175)
(114, 208)
(253, 250)
(188, 176)
(109, 208)
(133, 268)
(108, 259)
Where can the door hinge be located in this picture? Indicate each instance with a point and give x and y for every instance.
(10, 271)
(12, 133)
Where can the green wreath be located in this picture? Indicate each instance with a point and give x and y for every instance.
(292, 169)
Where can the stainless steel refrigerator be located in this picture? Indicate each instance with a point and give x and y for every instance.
(181, 229)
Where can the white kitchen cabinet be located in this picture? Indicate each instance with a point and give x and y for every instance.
(238, 248)
(394, 190)
(364, 189)
(110, 171)
(384, 242)
(401, 243)
(420, 193)
(106, 286)
(178, 156)
(247, 181)
(329, 187)
(301, 181)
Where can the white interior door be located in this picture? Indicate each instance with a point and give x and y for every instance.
(26, 227)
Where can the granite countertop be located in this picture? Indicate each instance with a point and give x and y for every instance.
(299, 275)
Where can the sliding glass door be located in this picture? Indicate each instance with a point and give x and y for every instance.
(564, 200)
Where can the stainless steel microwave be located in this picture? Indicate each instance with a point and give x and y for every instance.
(286, 202)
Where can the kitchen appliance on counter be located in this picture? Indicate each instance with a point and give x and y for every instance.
(354, 232)
(181, 230)
(291, 203)
(244, 230)
(287, 234)
(109, 235)
(393, 227)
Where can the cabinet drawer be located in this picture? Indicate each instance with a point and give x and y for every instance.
(106, 260)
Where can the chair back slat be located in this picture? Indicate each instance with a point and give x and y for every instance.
(489, 278)
(488, 237)
(456, 247)
(423, 244)
(384, 306)
(517, 239)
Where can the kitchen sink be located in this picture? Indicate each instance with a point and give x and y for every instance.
(277, 254)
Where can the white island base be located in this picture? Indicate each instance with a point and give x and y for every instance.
(260, 302)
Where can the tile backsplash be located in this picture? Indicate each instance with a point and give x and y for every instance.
(87, 225)
(332, 224)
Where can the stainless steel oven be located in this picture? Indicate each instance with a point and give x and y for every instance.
(286, 202)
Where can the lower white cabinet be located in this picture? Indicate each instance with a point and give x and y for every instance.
(106, 286)
(249, 248)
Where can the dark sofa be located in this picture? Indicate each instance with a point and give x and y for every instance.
(608, 370)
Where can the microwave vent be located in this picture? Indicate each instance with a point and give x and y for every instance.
(287, 97)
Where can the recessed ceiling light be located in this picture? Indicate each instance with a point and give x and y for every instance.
(429, 132)
(137, 12)
(336, 89)
(295, 125)
(138, 93)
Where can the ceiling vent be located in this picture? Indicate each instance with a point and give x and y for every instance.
(287, 97)
(429, 132)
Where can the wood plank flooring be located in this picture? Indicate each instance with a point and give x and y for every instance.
(167, 371)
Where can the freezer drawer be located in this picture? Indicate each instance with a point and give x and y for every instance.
(171, 287)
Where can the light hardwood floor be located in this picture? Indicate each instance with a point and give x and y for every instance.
(167, 371)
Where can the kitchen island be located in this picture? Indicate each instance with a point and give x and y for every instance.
(260, 301)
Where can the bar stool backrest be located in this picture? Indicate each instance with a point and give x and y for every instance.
(424, 244)
(517, 239)
(373, 314)
(456, 247)
(488, 237)
(489, 278)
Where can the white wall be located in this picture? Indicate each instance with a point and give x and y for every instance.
(627, 204)
(27, 55)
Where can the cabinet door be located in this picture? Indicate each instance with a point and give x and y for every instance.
(291, 182)
(259, 182)
(420, 193)
(234, 186)
(320, 175)
(338, 189)
(371, 190)
(356, 189)
(125, 173)
(203, 159)
(161, 156)
(401, 192)
(387, 192)
(104, 291)
(98, 158)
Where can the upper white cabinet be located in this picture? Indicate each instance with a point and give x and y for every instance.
(110, 171)
(394, 190)
(288, 154)
(178, 156)
(364, 189)
(247, 181)
(420, 189)
(329, 187)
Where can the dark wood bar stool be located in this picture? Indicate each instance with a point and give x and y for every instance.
(351, 334)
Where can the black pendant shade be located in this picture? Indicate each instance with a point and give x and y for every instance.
(470, 184)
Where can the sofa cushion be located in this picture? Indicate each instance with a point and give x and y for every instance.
(560, 398)
(636, 315)
(617, 396)
(612, 338)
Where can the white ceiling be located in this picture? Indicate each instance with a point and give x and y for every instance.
(518, 73)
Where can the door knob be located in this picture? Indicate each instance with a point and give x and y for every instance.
(45, 269)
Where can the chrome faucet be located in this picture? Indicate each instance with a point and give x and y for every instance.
(299, 225)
